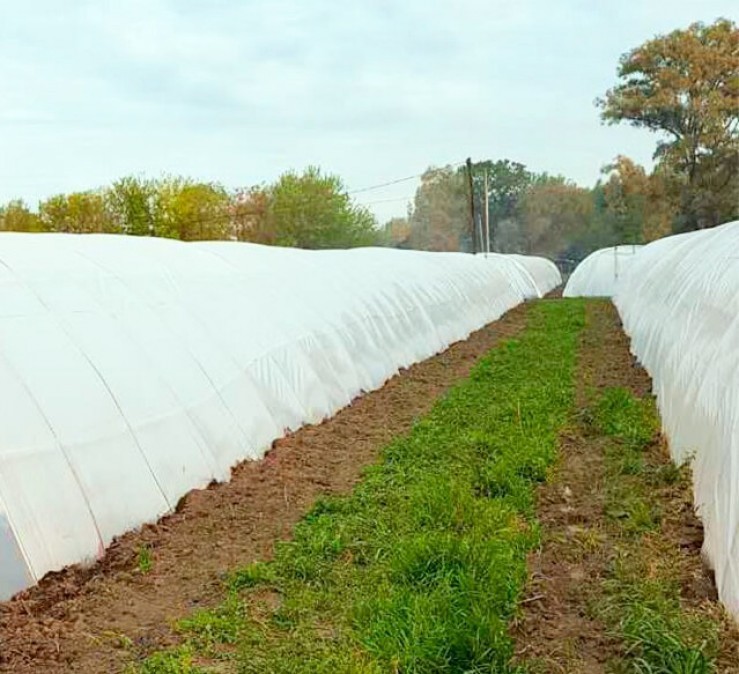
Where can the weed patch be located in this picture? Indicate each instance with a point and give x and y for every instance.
(144, 561)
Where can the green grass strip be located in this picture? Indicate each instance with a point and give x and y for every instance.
(641, 601)
(420, 569)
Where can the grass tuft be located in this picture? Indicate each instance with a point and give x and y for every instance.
(144, 561)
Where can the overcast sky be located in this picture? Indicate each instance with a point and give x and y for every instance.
(241, 90)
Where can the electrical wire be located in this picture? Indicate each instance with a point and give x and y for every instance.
(399, 180)
(387, 201)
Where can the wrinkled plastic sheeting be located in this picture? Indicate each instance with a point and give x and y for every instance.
(680, 306)
(133, 370)
(601, 272)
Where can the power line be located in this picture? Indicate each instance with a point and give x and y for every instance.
(392, 182)
(399, 180)
(387, 201)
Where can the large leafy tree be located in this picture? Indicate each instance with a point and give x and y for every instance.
(249, 221)
(132, 205)
(76, 212)
(313, 210)
(507, 182)
(15, 216)
(171, 206)
(189, 210)
(640, 206)
(553, 212)
(685, 86)
(396, 232)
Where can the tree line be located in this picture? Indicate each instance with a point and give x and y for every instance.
(536, 213)
(683, 86)
(309, 209)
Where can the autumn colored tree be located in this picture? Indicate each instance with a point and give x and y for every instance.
(15, 216)
(626, 195)
(249, 221)
(440, 217)
(189, 210)
(171, 206)
(685, 87)
(553, 212)
(641, 205)
(79, 212)
(397, 232)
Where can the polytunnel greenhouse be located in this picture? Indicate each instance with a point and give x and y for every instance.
(599, 274)
(133, 370)
(680, 306)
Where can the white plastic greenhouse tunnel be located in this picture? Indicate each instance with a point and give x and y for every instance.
(680, 306)
(133, 370)
(600, 273)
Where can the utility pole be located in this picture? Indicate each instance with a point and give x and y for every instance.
(487, 214)
(472, 204)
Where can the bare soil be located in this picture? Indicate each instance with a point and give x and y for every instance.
(93, 619)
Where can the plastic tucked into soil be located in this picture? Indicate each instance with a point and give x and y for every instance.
(134, 369)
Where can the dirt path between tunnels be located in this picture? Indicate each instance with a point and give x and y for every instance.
(560, 630)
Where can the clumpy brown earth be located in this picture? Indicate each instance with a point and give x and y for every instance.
(558, 630)
(92, 619)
